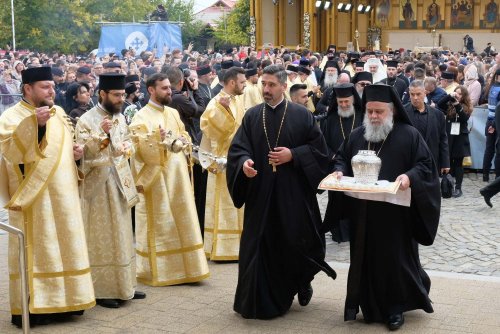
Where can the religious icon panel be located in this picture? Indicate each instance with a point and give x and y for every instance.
(489, 18)
(433, 16)
(382, 11)
(408, 14)
(462, 14)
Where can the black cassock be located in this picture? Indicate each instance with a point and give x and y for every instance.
(385, 275)
(332, 130)
(281, 247)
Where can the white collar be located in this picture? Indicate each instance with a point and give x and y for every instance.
(274, 107)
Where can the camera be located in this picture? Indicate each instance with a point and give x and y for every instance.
(187, 74)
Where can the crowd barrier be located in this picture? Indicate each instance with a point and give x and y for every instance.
(477, 138)
(22, 268)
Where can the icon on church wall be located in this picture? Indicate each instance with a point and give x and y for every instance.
(408, 14)
(433, 17)
(489, 18)
(462, 14)
(382, 10)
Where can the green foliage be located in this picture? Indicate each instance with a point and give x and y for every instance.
(233, 28)
(69, 25)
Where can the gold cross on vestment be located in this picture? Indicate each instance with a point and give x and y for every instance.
(274, 165)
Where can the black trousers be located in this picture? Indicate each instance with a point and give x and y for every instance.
(493, 188)
(200, 177)
(489, 151)
(457, 171)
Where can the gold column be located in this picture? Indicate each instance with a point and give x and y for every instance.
(282, 22)
(258, 22)
(314, 25)
(305, 9)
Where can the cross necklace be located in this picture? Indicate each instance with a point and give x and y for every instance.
(342, 126)
(272, 163)
(206, 92)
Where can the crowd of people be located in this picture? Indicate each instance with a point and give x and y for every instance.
(218, 156)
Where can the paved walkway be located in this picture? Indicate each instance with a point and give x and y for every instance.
(468, 239)
(467, 242)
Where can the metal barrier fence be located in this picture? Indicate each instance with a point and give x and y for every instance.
(22, 269)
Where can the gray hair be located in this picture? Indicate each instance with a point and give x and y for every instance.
(417, 84)
(430, 81)
(278, 71)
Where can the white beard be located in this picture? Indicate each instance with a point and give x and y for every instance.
(330, 80)
(377, 133)
(346, 113)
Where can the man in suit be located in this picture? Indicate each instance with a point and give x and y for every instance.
(430, 122)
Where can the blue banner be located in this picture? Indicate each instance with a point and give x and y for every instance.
(140, 37)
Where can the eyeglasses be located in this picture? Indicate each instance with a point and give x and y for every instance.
(364, 84)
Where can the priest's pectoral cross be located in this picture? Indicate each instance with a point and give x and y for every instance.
(274, 165)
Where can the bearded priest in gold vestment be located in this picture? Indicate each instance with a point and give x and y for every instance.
(219, 123)
(169, 245)
(39, 183)
(108, 193)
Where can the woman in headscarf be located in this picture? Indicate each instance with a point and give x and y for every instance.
(472, 84)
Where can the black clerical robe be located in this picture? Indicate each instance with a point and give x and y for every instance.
(397, 83)
(385, 275)
(281, 246)
(334, 133)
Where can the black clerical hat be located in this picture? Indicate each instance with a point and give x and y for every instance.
(344, 90)
(333, 63)
(35, 74)
(132, 78)
(130, 88)
(360, 64)
(226, 64)
(250, 72)
(111, 81)
(385, 93)
(305, 70)
(362, 76)
(331, 46)
(203, 70)
(392, 63)
(447, 75)
(292, 68)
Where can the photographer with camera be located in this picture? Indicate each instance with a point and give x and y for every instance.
(457, 108)
(188, 101)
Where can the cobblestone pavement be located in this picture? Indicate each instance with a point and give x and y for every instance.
(462, 303)
(468, 239)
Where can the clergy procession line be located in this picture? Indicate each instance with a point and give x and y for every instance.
(228, 173)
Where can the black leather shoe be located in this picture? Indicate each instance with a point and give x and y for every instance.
(139, 295)
(486, 178)
(487, 198)
(305, 294)
(35, 320)
(108, 303)
(395, 321)
(457, 193)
